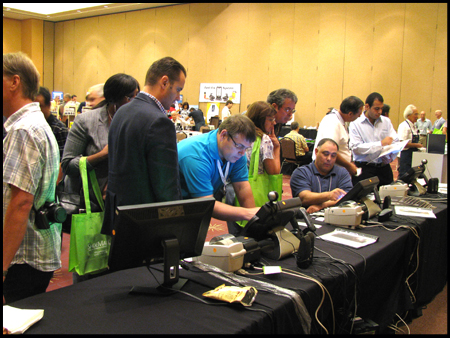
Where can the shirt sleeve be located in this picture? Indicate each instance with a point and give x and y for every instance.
(300, 181)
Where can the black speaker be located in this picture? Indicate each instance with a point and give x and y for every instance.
(433, 185)
(305, 251)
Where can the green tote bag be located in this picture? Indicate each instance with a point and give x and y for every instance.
(89, 250)
(261, 184)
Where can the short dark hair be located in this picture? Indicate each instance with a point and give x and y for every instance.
(386, 109)
(294, 125)
(280, 95)
(239, 124)
(351, 104)
(228, 102)
(324, 140)
(74, 96)
(118, 86)
(165, 66)
(45, 93)
(372, 97)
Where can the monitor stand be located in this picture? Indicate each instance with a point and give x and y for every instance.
(172, 281)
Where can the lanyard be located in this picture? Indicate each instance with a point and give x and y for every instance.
(222, 176)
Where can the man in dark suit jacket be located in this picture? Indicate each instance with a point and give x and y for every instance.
(142, 146)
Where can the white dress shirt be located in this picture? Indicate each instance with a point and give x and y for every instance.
(406, 129)
(365, 139)
(333, 126)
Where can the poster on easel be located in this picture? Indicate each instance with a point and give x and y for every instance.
(220, 92)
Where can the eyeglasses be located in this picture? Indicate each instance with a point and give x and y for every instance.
(289, 110)
(239, 146)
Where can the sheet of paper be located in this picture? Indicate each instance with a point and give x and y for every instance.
(414, 211)
(17, 321)
(349, 238)
(393, 148)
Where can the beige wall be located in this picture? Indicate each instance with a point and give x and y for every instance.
(26, 36)
(323, 52)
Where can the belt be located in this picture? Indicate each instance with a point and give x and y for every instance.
(375, 165)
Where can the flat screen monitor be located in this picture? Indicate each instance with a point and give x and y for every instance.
(436, 143)
(55, 94)
(360, 190)
(165, 232)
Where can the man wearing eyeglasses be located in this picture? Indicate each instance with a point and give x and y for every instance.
(284, 101)
(368, 134)
(208, 161)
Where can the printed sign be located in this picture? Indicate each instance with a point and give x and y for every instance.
(220, 92)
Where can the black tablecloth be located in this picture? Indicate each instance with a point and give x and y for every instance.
(104, 305)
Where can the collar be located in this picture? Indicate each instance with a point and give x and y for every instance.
(25, 110)
(316, 172)
(158, 103)
(213, 145)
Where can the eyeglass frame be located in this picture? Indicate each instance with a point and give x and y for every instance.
(238, 146)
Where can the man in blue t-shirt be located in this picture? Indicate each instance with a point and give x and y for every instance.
(208, 160)
(321, 183)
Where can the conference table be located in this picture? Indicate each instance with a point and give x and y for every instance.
(398, 274)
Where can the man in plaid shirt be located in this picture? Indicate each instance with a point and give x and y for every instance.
(30, 169)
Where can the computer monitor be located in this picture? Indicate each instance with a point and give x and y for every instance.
(59, 94)
(360, 190)
(436, 143)
(165, 232)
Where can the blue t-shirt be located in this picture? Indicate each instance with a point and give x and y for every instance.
(308, 178)
(199, 174)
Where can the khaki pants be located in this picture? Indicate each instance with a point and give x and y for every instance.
(423, 140)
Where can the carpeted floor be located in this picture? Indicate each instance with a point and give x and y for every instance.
(433, 320)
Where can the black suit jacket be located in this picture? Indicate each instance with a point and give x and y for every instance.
(142, 158)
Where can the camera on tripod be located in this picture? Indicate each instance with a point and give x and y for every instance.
(50, 212)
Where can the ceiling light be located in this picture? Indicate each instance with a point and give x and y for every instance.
(49, 8)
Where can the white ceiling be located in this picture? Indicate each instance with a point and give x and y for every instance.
(57, 12)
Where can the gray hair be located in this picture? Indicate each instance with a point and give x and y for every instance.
(21, 65)
(280, 95)
(98, 88)
(409, 110)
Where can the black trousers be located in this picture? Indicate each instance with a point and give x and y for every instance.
(383, 172)
(24, 281)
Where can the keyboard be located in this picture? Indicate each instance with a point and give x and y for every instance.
(410, 201)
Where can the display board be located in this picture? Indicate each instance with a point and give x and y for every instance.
(220, 92)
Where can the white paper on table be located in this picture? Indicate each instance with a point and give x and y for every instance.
(414, 211)
(17, 321)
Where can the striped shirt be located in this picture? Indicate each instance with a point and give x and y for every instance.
(31, 163)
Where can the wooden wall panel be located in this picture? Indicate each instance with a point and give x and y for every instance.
(358, 60)
(281, 45)
(330, 58)
(58, 64)
(197, 22)
(85, 56)
(387, 55)
(257, 86)
(68, 57)
(440, 84)
(418, 56)
(49, 50)
(304, 65)
(323, 52)
(134, 63)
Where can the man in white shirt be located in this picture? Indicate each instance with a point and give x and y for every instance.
(408, 131)
(425, 127)
(335, 126)
(226, 110)
(368, 134)
(440, 120)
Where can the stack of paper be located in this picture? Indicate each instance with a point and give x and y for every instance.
(17, 321)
